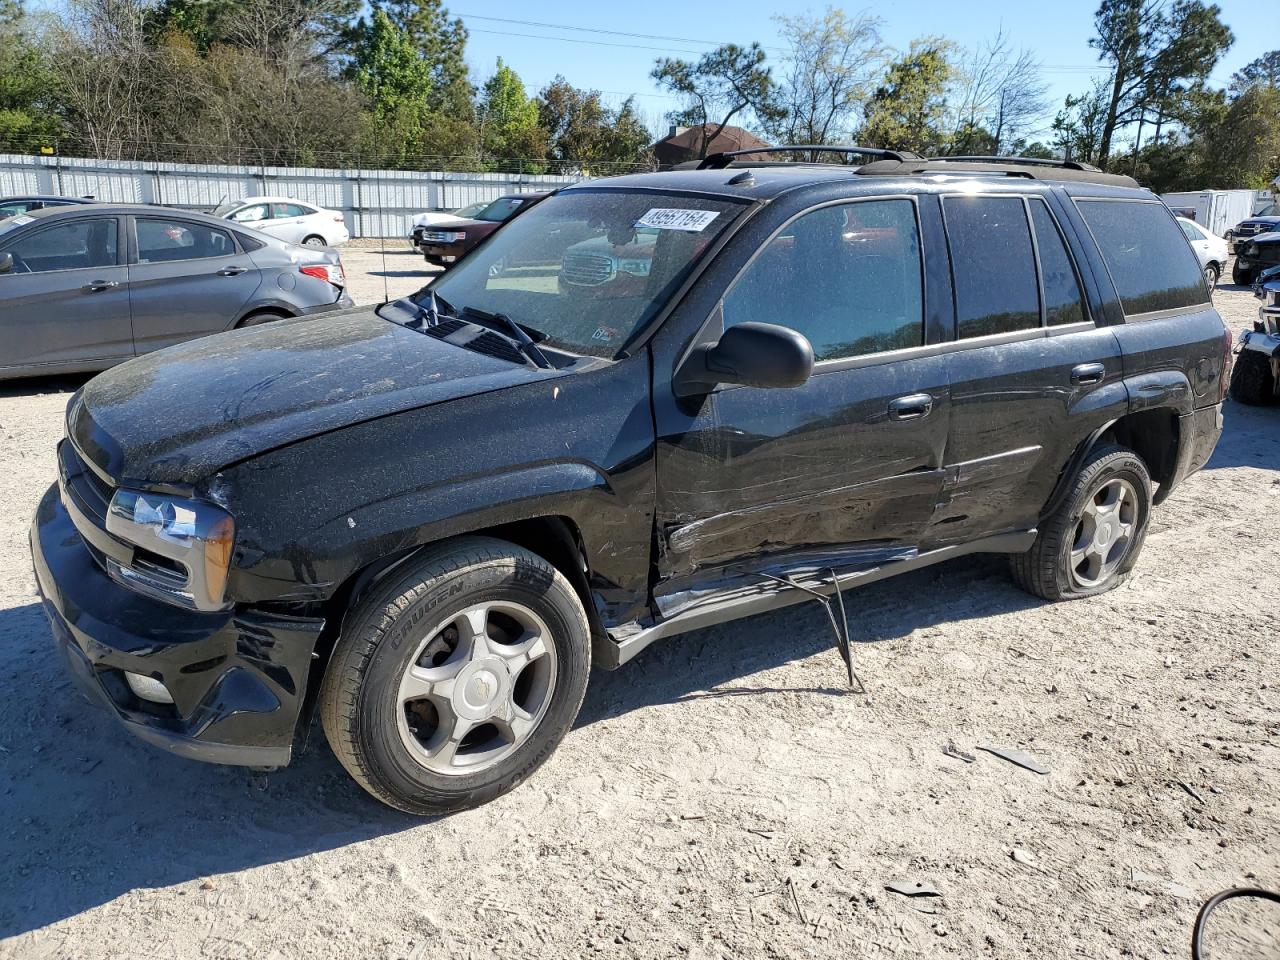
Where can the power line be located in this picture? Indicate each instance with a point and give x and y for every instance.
(601, 30)
(593, 43)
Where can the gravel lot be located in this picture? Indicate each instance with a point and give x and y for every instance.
(378, 271)
(724, 796)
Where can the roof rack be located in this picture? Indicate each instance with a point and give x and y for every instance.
(719, 161)
(1030, 161)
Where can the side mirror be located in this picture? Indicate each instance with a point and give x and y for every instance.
(752, 354)
(6, 262)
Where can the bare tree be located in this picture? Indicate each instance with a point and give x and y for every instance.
(832, 67)
(999, 97)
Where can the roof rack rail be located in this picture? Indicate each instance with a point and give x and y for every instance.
(719, 161)
(1030, 161)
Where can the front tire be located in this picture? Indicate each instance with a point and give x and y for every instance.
(1091, 542)
(453, 682)
(1212, 273)
(1252, 381)
(1241, 276)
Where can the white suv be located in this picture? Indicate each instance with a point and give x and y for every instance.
(287, 219)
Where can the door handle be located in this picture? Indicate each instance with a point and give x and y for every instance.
(915, 407)
(97, 286)
(1087, 373)
(232, 271)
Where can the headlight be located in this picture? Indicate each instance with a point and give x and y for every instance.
(183, 547)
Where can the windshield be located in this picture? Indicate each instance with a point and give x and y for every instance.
(1270, 210)
(223, 209)
(587, 268)
(501, 209)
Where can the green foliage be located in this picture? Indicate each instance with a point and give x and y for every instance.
(906, 111)
(1265, 71)
(726, 83)
(582, 131)
(441, 43)
(27, 112)
(1077, 129)
(508, 119)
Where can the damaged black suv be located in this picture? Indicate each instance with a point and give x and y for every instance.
(685, 397)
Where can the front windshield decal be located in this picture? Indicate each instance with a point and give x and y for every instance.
(667, 218)
(20, 220)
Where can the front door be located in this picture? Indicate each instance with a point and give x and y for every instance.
(841, 471)
(188, 279)
(66, 299)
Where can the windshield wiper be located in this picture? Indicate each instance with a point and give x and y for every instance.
(429, 313)
(526, 343)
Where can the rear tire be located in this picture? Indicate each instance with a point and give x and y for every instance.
(314, 241)
(1252, 381)
(261, 317)
(1091, 542)
(454, 681)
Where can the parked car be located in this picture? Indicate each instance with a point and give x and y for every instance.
(287, 219)
(424, 221)
(1211, 251)
(447, 244)
(1266, 220)
(1255, 375)
(12, 206)
(430, 518)
(1255, 255)
(85, 287)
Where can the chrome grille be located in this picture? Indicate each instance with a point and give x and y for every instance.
(439, 236)
(587, 269)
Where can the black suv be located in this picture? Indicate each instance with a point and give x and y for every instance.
(430, 518)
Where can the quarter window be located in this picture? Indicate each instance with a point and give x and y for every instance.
(1063, 301)
(1152, 268)
(165, 240)
(992, 265)
(79, 245)
(848, 277)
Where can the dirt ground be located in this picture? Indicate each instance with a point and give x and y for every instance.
(724, 796)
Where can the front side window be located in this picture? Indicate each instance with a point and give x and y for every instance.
(251, 214)
(78, 245)
(846, 276)
(588, 268)
(1063, 300)
(165, 240)
(501, 210)
(992, 265)
(1152, 267)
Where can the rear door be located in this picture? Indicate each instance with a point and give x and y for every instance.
(66, 300)
(289, 222)
(841, 471)
(186, 279)
(1031, 373)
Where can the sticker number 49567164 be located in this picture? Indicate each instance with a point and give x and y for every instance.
(668, 218)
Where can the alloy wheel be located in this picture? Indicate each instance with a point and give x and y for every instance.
(1104, 533)
(476, 688)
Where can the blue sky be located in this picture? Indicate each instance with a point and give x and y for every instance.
(1057, 32)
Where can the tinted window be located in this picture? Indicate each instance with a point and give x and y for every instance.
(163, 240)
(847, 277)
(78, 245)
(1063, 301)
(992, 264)
(1152, 267)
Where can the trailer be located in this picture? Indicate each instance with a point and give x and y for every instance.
(1218, 211)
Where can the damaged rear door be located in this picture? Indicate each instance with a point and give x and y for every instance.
(841, 471)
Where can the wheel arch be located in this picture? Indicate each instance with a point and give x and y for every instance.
(1154, 434)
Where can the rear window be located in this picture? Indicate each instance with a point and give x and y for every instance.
(1149, 260)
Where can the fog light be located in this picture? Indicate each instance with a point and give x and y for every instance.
(148, 688)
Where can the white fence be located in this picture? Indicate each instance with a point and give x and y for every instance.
(377, 203)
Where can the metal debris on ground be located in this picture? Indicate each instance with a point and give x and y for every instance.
(1021, 856)
(839, 628)
(951, 750)
(913, 888)
(1019, 757)
(1194, 796)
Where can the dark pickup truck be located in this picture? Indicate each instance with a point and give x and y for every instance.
(429, 519)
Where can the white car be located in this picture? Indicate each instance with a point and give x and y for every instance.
(287, 219)
(1210, 250)
(439, 217)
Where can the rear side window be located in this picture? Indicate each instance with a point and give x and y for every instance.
(1063, 301)
(992, 264)
(1152, 267)
(847, 277)
(164, 240)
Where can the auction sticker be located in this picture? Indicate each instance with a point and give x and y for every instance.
(669, 218)
(23, 220)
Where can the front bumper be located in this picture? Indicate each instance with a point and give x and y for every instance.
(238, 677)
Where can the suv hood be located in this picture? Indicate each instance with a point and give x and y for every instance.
(180, 415)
